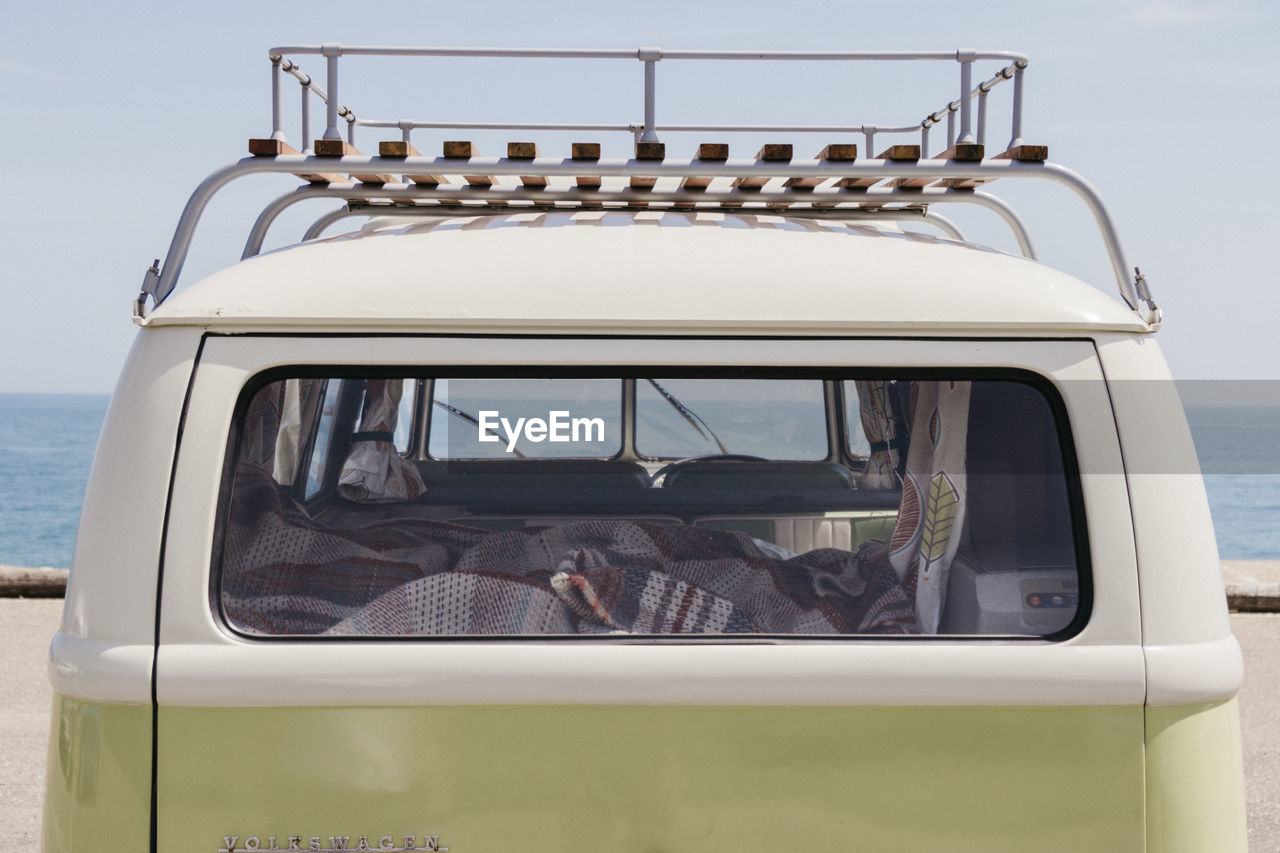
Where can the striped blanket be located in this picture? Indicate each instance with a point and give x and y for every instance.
(286, 573)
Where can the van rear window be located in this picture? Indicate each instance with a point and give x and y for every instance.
(802, 505)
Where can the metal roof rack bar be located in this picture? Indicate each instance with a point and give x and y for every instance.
(877, 169)
(544, 199)
(640, 53)
(830, 186)
(445, 210)
(650, 56)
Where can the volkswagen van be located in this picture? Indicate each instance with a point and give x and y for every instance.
(652, 504)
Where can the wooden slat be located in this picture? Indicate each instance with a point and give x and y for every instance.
(904, 154)
(711, 152)
(836, 153)
(459, 149)
(397, 148)
(900, 152)
(966, 152)
(526, 151)
(647, 151)
(275, 148)
(897, 153)
(464, 150)
(651, 150)
(522, 150)
(770, 154)
(342, 148)
(270, 147)
(1025, 153)
(775, 153)
(334, 148)
(590, 152)
(400, 148)
(839, 152)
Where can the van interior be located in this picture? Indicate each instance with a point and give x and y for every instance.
(645, 506)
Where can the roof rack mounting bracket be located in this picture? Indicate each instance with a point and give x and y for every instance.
(150, 285)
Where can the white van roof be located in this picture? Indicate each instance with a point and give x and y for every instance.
(661, 270)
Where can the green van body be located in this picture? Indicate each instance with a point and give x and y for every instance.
(639, 778)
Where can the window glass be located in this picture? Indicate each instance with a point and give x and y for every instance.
(771, 418)
(405, 421)
(855, 434)
(686, 505)
(324, 431)
(525, 418)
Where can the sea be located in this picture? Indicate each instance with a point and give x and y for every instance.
(47, 443)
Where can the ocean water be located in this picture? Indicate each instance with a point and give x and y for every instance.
(46, 448)
(47, 443)
(1239, 450)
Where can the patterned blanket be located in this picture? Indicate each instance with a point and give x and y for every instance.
(285, 573)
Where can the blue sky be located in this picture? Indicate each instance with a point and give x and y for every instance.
(115, 113)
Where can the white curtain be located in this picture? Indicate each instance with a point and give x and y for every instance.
(374, 471)
(286, 458)
(931, 515)
(881, 471)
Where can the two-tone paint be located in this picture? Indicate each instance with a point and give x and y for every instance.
(173, 733)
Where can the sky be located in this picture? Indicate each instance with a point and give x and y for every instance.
(115, 113)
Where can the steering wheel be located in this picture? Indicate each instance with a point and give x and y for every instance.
(659, 476)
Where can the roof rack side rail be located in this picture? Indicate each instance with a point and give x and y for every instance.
(444, 205)
(877, 170)
(649, 56)
(443, 210)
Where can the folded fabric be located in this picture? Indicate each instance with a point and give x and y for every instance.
(639, 601)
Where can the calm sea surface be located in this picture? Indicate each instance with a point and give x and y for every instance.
(47, 443)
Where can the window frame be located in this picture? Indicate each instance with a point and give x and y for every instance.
(835, 416)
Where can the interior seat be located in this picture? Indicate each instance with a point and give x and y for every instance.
(737, 474)
(534, 474)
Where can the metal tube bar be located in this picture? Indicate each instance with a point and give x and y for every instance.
(985, 86)
(277, 120)
(924, 141)
(351, 133)
(541, 53)
(1016, 139)
(413, 192)
(180, 244)
(440, 211)
(666, 128)
(966, 99)
(298, 74)
(650, 96)
(982, 117)
(317, 228)
(945, 225)
(331, 54)
(669, 168)
(951, 128)
(306, 119)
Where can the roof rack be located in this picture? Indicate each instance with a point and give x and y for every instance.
(902, 181)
